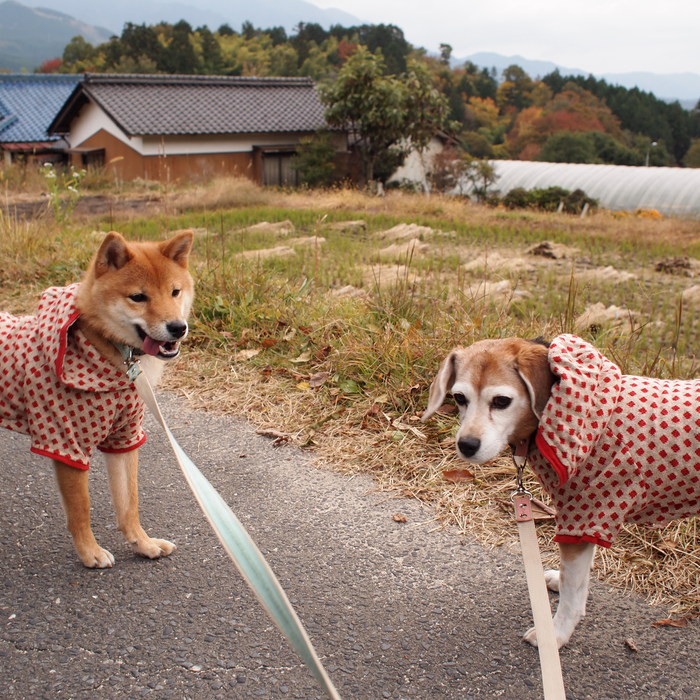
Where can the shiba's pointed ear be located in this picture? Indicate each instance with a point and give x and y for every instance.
(113, 254)
(532, 365)
(178, 247)
(442, 383)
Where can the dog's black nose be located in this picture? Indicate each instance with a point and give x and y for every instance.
(177, 328)
(469, 446)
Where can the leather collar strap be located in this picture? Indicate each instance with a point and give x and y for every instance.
(238, 544)
(550, 665)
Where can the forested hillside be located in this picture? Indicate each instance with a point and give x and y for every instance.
(556, 118)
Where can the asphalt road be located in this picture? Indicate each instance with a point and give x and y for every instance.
(394, 610)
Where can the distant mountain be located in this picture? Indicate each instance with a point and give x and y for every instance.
(29, 35)
(535, 69)
(684, 87)
(213, 13)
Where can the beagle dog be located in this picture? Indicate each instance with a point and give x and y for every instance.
(608, 448)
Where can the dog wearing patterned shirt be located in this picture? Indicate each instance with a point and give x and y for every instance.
(64, 381)
(608, 448)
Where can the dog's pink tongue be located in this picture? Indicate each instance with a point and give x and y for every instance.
(150, 346)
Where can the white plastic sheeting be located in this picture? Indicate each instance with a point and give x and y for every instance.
(671, 191)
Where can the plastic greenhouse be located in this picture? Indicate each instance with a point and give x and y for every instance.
(671, 191)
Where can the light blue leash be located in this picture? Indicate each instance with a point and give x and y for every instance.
(236, 541)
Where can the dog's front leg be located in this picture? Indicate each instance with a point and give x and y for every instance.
(122, 469)
(73, 486)
(572, 583)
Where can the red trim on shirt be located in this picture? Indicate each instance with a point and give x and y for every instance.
(63, 342)
(551, 456)
(569, 539)
(123, 449)
(59, 458)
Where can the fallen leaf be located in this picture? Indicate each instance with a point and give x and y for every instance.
(268, 342)
(322, 353)
(629, 643)
(399, 518)
(303, 386)
(319, 379)
(226, 334)
(681, 622)
(247, 354)
(304, 357)
(399, 425)
(348, 386)
(448, 409)
(457, 475)
(372, 412)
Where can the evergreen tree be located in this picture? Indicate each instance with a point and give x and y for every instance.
(179, 56)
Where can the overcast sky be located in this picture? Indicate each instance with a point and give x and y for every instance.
(600, 36)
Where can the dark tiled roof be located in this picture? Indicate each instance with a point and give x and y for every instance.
(28, 104)
(183, 104)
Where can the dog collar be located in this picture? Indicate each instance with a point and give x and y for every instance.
(520, 452)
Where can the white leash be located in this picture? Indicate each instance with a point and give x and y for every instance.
(550, 665)
(236, 541)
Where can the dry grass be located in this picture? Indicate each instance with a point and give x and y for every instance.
(347, 375)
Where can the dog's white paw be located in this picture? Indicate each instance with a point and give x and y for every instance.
(152, 548)
(551, 577)
(97, 558)
(531, 638)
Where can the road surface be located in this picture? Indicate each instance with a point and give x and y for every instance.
(395, 610)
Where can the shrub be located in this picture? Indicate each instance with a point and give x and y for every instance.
(518, 198)
(314, 160)
(549, 199)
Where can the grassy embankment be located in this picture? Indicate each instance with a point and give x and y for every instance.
(333, 339)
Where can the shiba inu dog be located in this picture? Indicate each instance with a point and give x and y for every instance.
(63, 378)
(607, 447)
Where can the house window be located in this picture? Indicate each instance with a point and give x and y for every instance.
(93, 159)
(278, 169)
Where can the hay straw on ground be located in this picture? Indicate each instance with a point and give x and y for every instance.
(658, 565)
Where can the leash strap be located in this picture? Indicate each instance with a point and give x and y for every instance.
(550, 665)
(240, 547)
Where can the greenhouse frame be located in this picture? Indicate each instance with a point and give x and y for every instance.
(670, 191)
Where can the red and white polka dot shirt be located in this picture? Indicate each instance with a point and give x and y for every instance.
(57, 388)
(614, 447)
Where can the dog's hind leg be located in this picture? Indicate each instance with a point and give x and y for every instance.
(73, 485)
(572, 583)
(122, 469)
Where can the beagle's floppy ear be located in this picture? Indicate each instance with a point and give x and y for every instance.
(532, 366)
(442, 383)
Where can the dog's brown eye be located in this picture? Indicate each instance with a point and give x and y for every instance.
(500, 402)
(460, 399)
(138, 298)
(176, 292)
